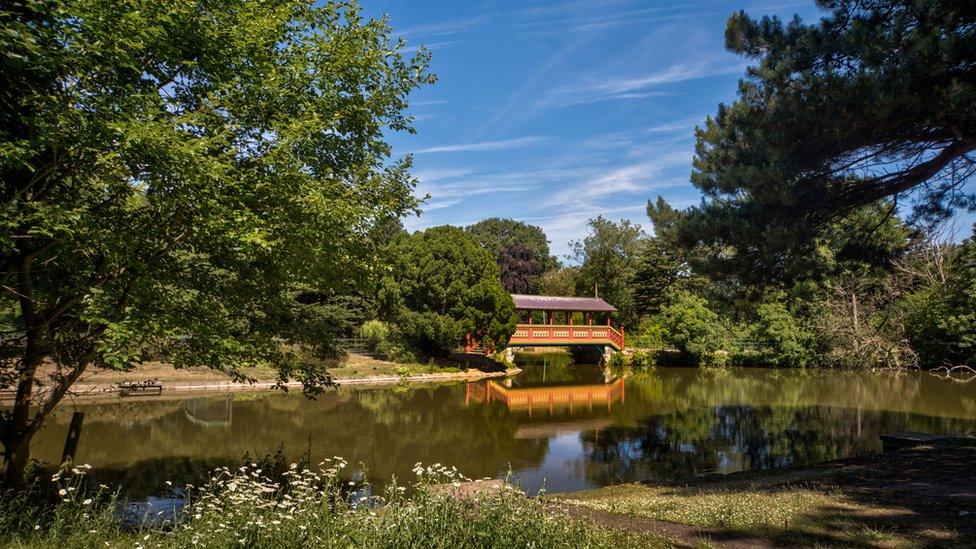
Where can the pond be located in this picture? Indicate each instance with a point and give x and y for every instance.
(560, 425)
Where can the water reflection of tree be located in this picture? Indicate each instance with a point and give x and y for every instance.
(555, 368)
(733, 438)
(387, 431)
(672, 424)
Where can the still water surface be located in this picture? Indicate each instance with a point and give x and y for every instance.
(559, 425)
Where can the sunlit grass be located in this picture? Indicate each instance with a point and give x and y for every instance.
(787, 515)
(243, 507)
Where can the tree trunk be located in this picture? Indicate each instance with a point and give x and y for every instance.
(17, 431)
(16, 453)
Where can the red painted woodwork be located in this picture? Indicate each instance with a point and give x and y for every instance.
(530, 335)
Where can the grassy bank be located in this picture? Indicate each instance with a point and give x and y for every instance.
(304, 508)
(911, 498)
(351, 367)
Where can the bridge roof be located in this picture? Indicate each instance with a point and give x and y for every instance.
(557, 303)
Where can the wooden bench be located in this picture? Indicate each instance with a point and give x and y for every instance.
(148, 387)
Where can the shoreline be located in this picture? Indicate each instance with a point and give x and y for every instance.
(175, 388)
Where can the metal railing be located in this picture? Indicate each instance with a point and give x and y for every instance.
(357, 345)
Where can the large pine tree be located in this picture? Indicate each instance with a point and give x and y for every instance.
(876, 100)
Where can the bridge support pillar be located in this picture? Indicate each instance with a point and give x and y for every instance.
(510, 354)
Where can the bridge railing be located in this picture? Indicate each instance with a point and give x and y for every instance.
(567, 334)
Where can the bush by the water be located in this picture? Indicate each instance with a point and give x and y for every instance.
(376, 333)
(244, 507)
(639, 361)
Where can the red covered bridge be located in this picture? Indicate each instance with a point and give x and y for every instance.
(557, 327)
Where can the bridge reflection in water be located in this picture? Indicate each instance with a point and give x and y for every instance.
(547, 398)
(209, 412)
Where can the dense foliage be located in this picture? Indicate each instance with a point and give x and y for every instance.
(521, 250)
(608, 259)
(941, 314)
(520, 269)
(196, 177)
(442, 287)
(873, 101)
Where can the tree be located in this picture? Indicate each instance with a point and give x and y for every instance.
(176, 173)
(608, 261)
(941, 318)
(873, 102)
(560, 281)
(661, 262)
(658, 269)
(498, 235)
(443, 285)
(781, 339)
(690, 325)
(520, 269)
(666, 221)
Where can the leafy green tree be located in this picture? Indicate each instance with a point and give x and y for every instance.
(690, 325)
(941, 317)
(500, 236)
(608, 262)
(442, 286)
(874, 101)
(780, 338)
(560, 281)
(175, 172)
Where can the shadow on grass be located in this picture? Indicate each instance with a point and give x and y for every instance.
(921, 497)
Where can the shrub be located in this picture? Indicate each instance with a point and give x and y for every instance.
(376, 334)
(642, 361)
(428, 334)
(668, 358)
(618, 363)
(395, 350)
(690, 326)
(650, 334)
(781, 340)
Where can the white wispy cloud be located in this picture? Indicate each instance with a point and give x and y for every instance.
(429, 102)
(483, 145)
(430, 46)
(683, 125)
(607, 88)
(444, 28)
(520, 103)
(592, 22)
(439, 174)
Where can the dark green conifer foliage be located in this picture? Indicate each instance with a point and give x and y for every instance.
(876, 100)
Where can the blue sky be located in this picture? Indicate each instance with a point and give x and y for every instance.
(553, 113)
